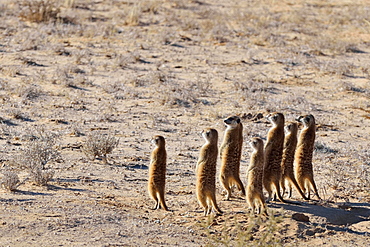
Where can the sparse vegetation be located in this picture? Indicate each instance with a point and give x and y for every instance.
(10, 181)
(37, 155)
(39, 10)
(99, 144)
(108, 75)
(257, 232)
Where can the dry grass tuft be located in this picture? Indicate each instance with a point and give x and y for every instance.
(39, 10)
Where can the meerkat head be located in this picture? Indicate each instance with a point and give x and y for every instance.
(275, 118)
(158, 140)
(307, 120)
(256, 143)
(232, 122)
(291, 127)
(210, 135)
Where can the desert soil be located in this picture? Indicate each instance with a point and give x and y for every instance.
(135, 69)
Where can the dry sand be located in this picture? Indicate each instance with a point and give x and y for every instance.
(173, 68)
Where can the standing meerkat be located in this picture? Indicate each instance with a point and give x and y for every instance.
(273, 155)
(254, 191)
(290, 144)
(157, 172)
(230, 153)
(206, 172)
(303, 155)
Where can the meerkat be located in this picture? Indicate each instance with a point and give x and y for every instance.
(254, 191)
(206, 172)
(157, 172)
(273, 155)
(303, 155)
(230, 153)
(290, 144)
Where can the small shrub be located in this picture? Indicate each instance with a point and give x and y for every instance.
(10, 181)
(17, 114)
(41, 177)
(28, 92)
(99, 144)
(37, 154)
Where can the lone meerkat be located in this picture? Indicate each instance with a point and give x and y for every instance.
(303, 155)
(157, 172)
(255, 197)
(273, 155)
(206, 172)
(230, 153)
(290, 144)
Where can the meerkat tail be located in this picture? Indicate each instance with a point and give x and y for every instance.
(214, 204)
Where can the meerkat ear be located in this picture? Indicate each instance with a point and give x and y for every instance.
(238, 120)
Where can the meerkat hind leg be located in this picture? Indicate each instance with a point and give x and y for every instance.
(282, 185)
(267, 186)
(277, 192)
(227, 186)
(162, 202)
(206, 210)
(156, 206)
(239, 185)
(290, 191)
(312, 182)
(294, 182)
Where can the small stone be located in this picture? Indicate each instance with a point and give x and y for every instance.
(300, 217)
(310, 233)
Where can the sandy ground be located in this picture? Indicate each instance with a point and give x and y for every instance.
(173, 68)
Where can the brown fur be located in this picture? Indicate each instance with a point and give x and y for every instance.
(303, 155)
(206, 172)
(273, 155)
(290, 144)
(230, 152)
(157, 172)
(254, 192)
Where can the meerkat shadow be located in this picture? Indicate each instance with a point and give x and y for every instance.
(344, 214)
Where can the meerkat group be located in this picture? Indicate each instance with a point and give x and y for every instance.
(284, 157)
